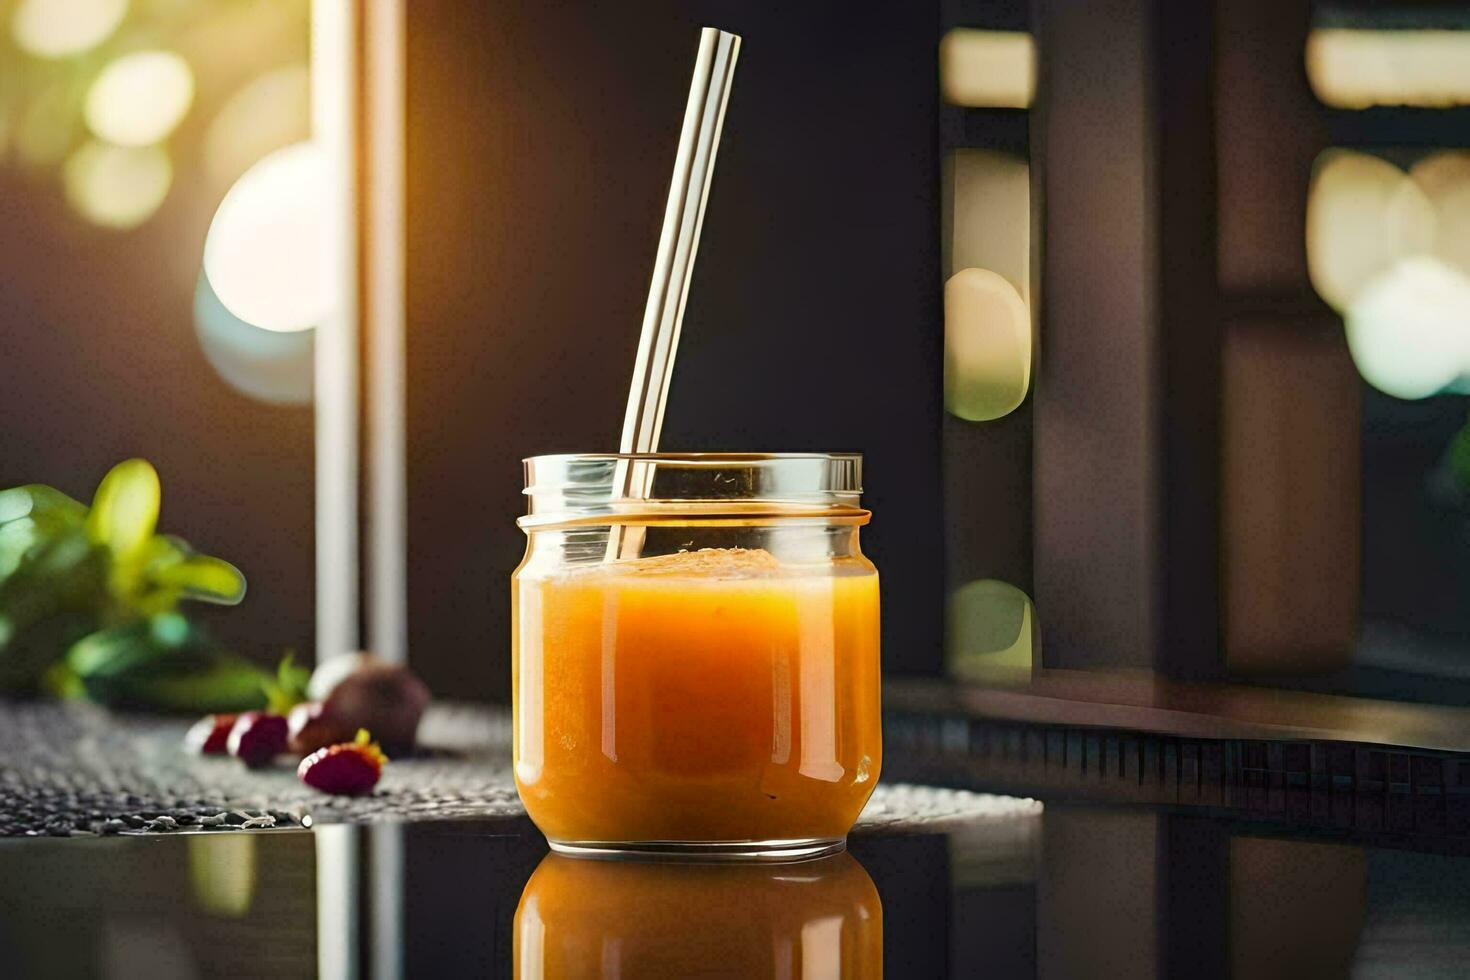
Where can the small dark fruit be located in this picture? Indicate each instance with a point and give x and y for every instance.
(347, 769)
(210, 735)
(331, 672)
(257, 738)
(311, 726)
(364, 691)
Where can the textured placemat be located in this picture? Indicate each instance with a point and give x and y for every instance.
(77, 770)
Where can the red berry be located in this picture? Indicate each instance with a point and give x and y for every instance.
(257, 738)
(209, 735)
(348, 769)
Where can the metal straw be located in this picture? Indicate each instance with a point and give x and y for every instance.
(663, 316)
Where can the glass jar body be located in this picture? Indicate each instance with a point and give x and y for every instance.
(716, 694)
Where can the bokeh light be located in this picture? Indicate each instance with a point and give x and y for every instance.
(60, 28)
(1409, 328)
(990, 624)
(1390, 250)
(1444, 177)
(990, 216)
(222, 873)
(987, 69)
(49, 124)
(117, 186)
(1363, 215)
(139, 98)
(987, 346)
(270, 255)
(267, 113)
(267, 365)
(1356, 69)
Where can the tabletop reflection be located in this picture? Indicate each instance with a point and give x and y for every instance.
(629, 919)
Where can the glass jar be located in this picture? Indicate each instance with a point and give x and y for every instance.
(696, 666)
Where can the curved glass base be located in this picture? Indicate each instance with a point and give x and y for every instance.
(703, 852)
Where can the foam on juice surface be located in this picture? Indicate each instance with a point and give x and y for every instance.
(706, 563)
(712, 566)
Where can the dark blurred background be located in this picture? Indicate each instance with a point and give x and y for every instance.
(1195, 405)
(102, 245)
(540, 137)
(540, 140)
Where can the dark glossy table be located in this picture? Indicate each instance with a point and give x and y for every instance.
(1054, 891)
(1241, 852)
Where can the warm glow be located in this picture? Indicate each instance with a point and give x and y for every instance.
(1444, 178)
(1353, 69)
(1409, 329)
(989, 216)
(987, 346)
(58, 28)
(267, 365)
(1391, 251)
(46, 128)
(991, 624)
(267, 113)
(117, 186)
(987, 69)
(1363, 215)
(139, 98)
(222, 871)
(269, 254)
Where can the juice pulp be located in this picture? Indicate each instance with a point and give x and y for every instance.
(636, 919)
(715, 695)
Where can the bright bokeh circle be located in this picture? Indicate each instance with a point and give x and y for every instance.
(270, 255)
(117, 186)
(139, 98)
(61, 28)
(270, 111)
(1409, 328)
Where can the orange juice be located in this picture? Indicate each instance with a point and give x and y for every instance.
(717, 695)
(638, 919)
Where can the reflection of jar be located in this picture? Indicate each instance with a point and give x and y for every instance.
(696, 670)
(637, 919)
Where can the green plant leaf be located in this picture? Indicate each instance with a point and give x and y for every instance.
(60, 573)
(61, 681)
(202, 577)
(288, 688)
(124, 512)
(165, 549)
(30, 515)
(39, 502)
(44, 606)
(226, 684)
(116, 651)
(163, 664)
(1457, 456)
(28, 654)
(99, 588)
(17, 538)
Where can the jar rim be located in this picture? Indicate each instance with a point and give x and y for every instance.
(617, 486)
(694, 457)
